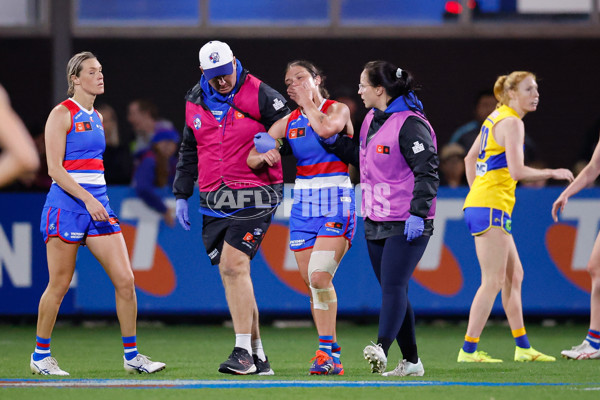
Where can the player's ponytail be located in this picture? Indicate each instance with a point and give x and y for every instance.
(396, 81)
(505, 83)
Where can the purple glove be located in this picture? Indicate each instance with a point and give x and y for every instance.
(329, 140)
(181, 210)
(263, 142)
(413, 227)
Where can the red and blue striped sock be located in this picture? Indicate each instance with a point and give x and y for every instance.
(42, 348)
(325, 343)
(593, 338)
(336, 352)
(521, 338)
(130, 347)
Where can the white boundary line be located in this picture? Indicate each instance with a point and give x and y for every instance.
(228, 384)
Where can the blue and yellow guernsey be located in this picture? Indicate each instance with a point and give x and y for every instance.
(493, 186)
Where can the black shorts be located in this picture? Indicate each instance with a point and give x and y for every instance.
(242, 231)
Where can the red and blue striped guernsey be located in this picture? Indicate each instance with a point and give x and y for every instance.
(316, 167)
(85, 145)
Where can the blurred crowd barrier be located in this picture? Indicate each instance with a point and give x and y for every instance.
(173, 273)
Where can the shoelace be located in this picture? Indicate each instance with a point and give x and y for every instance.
(377, 345)
(401, 368)
(580, 347)
(52, 361)
(321, 357)
(144, 359)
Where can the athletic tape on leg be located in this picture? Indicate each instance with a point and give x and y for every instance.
(322, 261)
(322, 297)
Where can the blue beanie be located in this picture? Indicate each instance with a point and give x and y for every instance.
(167, 134)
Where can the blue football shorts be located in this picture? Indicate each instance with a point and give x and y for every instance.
(304, 230)
(481, 219)
(74, 227)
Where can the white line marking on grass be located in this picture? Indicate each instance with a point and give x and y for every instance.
(229, 384)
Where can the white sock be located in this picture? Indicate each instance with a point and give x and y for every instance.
(257, 348)
(243, 340)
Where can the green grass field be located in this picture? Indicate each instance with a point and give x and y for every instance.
(193, 352)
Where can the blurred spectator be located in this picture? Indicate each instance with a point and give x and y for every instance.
(452, 166)
(143, 116)
(118, 161)
(465, 135)
(156, 170)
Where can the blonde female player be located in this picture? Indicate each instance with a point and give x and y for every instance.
(77, 213)
(493, 166)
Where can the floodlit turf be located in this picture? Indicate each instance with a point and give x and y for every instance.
(193, 352)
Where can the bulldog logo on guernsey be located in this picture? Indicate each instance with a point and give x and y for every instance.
(197, 122)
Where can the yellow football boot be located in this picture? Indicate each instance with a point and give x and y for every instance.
(476, 356)
(531, 354)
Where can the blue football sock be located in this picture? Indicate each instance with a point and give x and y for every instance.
(130, 347)
(42, 348)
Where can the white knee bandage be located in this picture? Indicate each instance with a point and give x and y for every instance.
(322, 261)
(322, 297)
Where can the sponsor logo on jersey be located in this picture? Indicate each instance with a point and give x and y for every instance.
(83, 126)
(481, 168)
(381, 149)
(297, 132)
